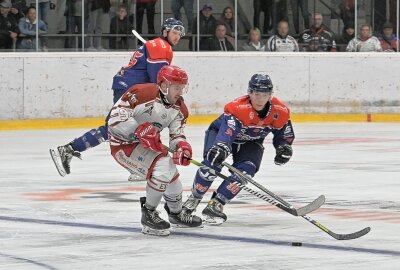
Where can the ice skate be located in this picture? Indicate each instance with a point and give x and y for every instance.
(213, 213)
(183, 219)
(62, 158)
(191, 204)
(151, 222)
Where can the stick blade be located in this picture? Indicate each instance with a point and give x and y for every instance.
(350, 236)
(317, 203)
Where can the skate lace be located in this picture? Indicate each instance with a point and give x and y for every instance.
(186, 218)
(191, 203)
(155, 216)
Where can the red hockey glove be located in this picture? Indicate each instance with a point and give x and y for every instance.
(148, 136)
(182, 154)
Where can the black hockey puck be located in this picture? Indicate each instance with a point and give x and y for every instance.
(297, 244)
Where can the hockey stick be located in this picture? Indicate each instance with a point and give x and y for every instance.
(314, 222)
(138, 36)
(291, 210)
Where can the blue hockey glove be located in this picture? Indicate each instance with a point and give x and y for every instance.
(283, 154)
(218, 153)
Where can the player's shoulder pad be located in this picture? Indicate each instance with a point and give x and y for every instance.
(159, 50)
(281, 112)
(237, 105)
(141, 93)
(182, 107)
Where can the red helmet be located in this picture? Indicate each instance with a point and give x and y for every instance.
(172, 74)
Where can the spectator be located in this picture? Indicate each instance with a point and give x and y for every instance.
(254, 41)
(388, 39)
(279, 12)
(347, 12)
(9, 30)
(219, 42)
(366, 42)
(227, 17)
(207, 26)
(187, 5)
(282, 42)
(98, 14)
(27, 26)
(266, 7)
(73, 14)
(120, 25)
(18, 9)
(317, 39)
(43, 8)
(347, 35)
(303, 5)
(150, 7)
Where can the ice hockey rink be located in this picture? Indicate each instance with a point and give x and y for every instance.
(90, 219)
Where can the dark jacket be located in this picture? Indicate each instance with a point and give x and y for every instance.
(317, 40)
(213, 44)
(122, 27)
(7, 24)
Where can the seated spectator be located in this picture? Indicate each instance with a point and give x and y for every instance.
(120, 25)
(366, 42)
(347, 35)
(44, 6)
(187, 5)
(219, 42)
(317, 39)
(27, 26)
(254, 41)
(282, 42)
(388, 39)
(207, 24)
(9, 30)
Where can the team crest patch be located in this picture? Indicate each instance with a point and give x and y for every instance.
(164, 116)
(251, 115)
(275, 116)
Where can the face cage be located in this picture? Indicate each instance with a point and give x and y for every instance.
(249, 91)
(179, 28)
(184, 89)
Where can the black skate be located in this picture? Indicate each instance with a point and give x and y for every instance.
(62, 158)
(213, 213)
(183, 219)
(151, 221)
(191, 204)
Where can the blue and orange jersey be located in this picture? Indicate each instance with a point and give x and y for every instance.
(240, 123)
(144, 64)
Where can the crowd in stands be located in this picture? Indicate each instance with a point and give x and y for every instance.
(20, 19)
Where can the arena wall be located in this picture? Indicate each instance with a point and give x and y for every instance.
(78, 85)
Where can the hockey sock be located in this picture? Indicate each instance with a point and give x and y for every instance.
(173, 196)
(90, 139)
(202, 182)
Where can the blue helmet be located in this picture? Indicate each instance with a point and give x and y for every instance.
(172, 23)
(260, 83)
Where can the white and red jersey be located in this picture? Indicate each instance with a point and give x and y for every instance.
(142, 103)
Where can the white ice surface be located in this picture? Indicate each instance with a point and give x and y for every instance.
(90, 219)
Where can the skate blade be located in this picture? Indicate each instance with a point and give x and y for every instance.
(150, 231)
(56, 158)
(213, 221)
(180, 226)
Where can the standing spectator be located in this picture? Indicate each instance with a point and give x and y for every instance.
(187, 5)
(254, 41)
(18, 9)
(42, 10)
(317, 39)
(303, 5)
(347, 35)
(266, 7)
(347, 12)
(219, 42)
(279, 12)
(9, 30)
(120, 25)
(388, 39)
(98, 14)
(150, 7)
(73, 14)
(366, 42)
(282, 42)
(207, 26)
(27, 26)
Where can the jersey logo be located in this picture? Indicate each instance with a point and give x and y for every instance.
(251, 115)
(134, 60)
(229, 132)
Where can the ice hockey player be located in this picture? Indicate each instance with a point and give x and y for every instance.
(134, 127)
(142, 68)
(241, 131)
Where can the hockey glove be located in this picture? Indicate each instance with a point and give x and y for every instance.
(149, 138)
(218, 153)
(182, 154)
(283, 154)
